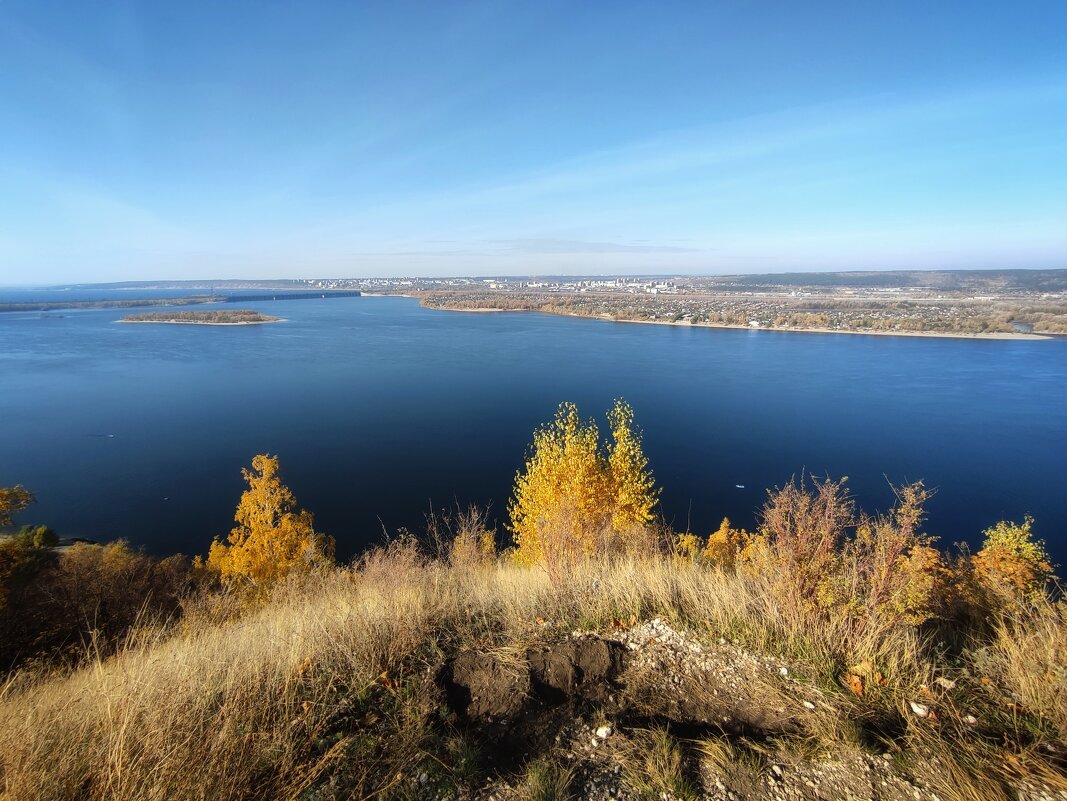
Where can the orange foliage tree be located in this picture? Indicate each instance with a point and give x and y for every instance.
(1012, 566)
(272, 538)
(726, 544)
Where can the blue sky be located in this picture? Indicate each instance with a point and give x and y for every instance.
(268, 139)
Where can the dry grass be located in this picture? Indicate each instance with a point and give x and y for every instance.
(1029, 657)
(656, 767)
(546, 780)
(329, 685)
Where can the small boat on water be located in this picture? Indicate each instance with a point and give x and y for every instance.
(739, 486)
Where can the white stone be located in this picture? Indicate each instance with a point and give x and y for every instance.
(921, 710)
(604, 732)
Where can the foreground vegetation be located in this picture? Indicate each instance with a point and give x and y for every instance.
(269, 672)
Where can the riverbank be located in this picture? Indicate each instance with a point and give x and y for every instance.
(998, 335)
(928, 334)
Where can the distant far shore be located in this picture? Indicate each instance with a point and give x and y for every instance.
(999, 335)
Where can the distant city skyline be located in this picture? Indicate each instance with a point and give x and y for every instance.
(153, 141)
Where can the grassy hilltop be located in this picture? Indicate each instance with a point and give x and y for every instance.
(829, 654)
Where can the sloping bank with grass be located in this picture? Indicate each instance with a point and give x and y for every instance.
(829, 654)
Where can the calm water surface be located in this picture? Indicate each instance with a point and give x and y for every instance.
(379, 409)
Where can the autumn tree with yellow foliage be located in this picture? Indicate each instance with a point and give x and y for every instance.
(576, 497)
(272, 538)
(726, 545)
(12, 501)
(633, 487)
(1012, 566)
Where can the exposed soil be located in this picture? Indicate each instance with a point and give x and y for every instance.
(589, 702)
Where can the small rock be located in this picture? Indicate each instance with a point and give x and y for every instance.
(970, 720)
(783, 670)
(604, 732)
(921, 710)
(809, 706)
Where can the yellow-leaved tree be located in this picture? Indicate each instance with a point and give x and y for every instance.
(1012, 565)
(272, 539)
(726, 545)
(631, 481)
(576, 497)
(13, 500)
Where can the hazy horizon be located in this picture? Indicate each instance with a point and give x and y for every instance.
(486, 276)
(146, 142)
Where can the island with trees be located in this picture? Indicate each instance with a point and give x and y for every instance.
(215, 317)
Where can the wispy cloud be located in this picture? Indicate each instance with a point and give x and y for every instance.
(579, 246)
(765, 155)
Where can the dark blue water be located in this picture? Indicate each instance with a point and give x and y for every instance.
(379, 408)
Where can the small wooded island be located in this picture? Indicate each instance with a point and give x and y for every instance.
(218, 317)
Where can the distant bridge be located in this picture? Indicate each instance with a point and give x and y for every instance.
(302, 294)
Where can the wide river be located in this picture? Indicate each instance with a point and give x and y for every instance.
(381, 410)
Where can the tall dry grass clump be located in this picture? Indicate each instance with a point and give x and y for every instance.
(330, 682)
(1028, 657)
(235, 710)
(252, 707)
